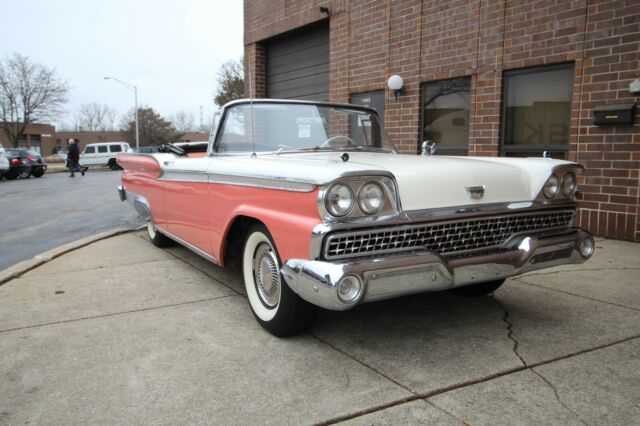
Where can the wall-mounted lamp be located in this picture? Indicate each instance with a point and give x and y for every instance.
(396, 84)
(324, 9)
(634, 86)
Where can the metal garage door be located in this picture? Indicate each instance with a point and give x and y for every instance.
(298, 64)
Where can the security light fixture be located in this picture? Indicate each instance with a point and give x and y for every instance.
(396, 84)
(324, 9)
(634, 86)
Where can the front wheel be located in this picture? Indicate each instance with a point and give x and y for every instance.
(276, 307)
(38, 173)
(478, 290)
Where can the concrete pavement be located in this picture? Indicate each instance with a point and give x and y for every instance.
(122, 332)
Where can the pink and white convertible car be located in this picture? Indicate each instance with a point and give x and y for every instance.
(319, 211)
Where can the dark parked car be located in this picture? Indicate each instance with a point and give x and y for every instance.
(24, 163)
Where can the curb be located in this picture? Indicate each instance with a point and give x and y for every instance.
(21, 268)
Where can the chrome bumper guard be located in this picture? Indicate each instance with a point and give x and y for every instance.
(393, 276)
(139, 203)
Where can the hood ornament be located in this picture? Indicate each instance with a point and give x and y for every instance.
(475, 192)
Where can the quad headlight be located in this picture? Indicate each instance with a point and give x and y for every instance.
(370, 198)
(551, 187)
(569, 184)
(339, 199)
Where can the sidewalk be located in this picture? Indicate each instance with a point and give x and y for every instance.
(120, 331)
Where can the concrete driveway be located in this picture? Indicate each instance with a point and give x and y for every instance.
(123, 332)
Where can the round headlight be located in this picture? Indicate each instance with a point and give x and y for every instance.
(339, 199)
(370, 198)
(569, 184)
(551, 187)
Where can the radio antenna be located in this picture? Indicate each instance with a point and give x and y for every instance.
(253, 120)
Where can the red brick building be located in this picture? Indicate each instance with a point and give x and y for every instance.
(492, 78)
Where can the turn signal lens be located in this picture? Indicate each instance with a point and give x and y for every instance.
(370, 198)
(339, 199)
(569, 184)
(551, 187)
(349, 289)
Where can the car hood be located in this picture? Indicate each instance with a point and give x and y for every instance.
(423, 181)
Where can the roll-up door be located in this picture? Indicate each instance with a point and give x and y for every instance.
(298, 64)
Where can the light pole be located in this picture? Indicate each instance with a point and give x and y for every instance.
(133, 88)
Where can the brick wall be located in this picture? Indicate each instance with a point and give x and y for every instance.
(428, 40)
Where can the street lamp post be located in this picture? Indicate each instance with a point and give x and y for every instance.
(133, 88)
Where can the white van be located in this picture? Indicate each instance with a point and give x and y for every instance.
(4, 163)
(103, 154)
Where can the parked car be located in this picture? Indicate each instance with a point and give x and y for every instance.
(24, 163)
(319, 211)
(103, 154)
(143, 150)
(4, 163)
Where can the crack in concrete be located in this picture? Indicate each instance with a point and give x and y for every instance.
(505, 319)
(509, 324)
(557, 396)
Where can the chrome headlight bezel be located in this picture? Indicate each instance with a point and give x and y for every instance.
(551, 187)
(332, 192)
(390, 204)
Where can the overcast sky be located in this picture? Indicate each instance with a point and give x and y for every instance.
(170, 49)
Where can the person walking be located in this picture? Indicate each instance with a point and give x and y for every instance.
(73, 159)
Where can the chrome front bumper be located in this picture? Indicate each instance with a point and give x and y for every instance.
(398, 275)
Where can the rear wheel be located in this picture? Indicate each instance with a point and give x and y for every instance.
(24, 174)
(478, 290)
(276, 307)
(157, 238)
(113, 165)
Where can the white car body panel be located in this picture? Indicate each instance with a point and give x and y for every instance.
(424, 182)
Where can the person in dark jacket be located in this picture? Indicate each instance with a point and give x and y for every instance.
(73, 159)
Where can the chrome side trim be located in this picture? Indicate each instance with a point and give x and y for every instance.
(409, 273)
(261, 182)
(185, 176)
(191, 247)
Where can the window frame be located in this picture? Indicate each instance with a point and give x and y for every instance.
(505, 149)
(446, 150)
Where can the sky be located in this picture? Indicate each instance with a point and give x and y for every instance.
(171, 50)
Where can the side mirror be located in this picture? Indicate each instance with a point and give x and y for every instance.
(428, 148)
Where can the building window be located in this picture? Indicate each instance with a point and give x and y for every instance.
(445, 115)
(35, 143)
(537, 111)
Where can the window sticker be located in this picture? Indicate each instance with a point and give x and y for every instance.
(304, 131)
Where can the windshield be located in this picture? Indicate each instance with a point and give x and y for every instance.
(269, 127)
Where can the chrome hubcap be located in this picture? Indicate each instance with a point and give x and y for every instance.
(266, 274)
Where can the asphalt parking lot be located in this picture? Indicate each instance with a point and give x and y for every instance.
(136, 334)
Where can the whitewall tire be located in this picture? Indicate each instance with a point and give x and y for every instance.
(157, 238)
(276, 307)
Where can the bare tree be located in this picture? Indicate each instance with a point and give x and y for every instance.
(230, 82)
(96, 117)
(29, 93)
(183, 121)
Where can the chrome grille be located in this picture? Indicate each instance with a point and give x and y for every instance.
(443, 237)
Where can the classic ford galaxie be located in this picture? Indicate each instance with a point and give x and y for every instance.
(318, 210)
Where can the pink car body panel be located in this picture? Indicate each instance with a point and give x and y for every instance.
(202, 213)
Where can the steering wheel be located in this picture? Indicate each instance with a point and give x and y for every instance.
(333, 138)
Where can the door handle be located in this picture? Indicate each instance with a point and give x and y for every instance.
(167, 163)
